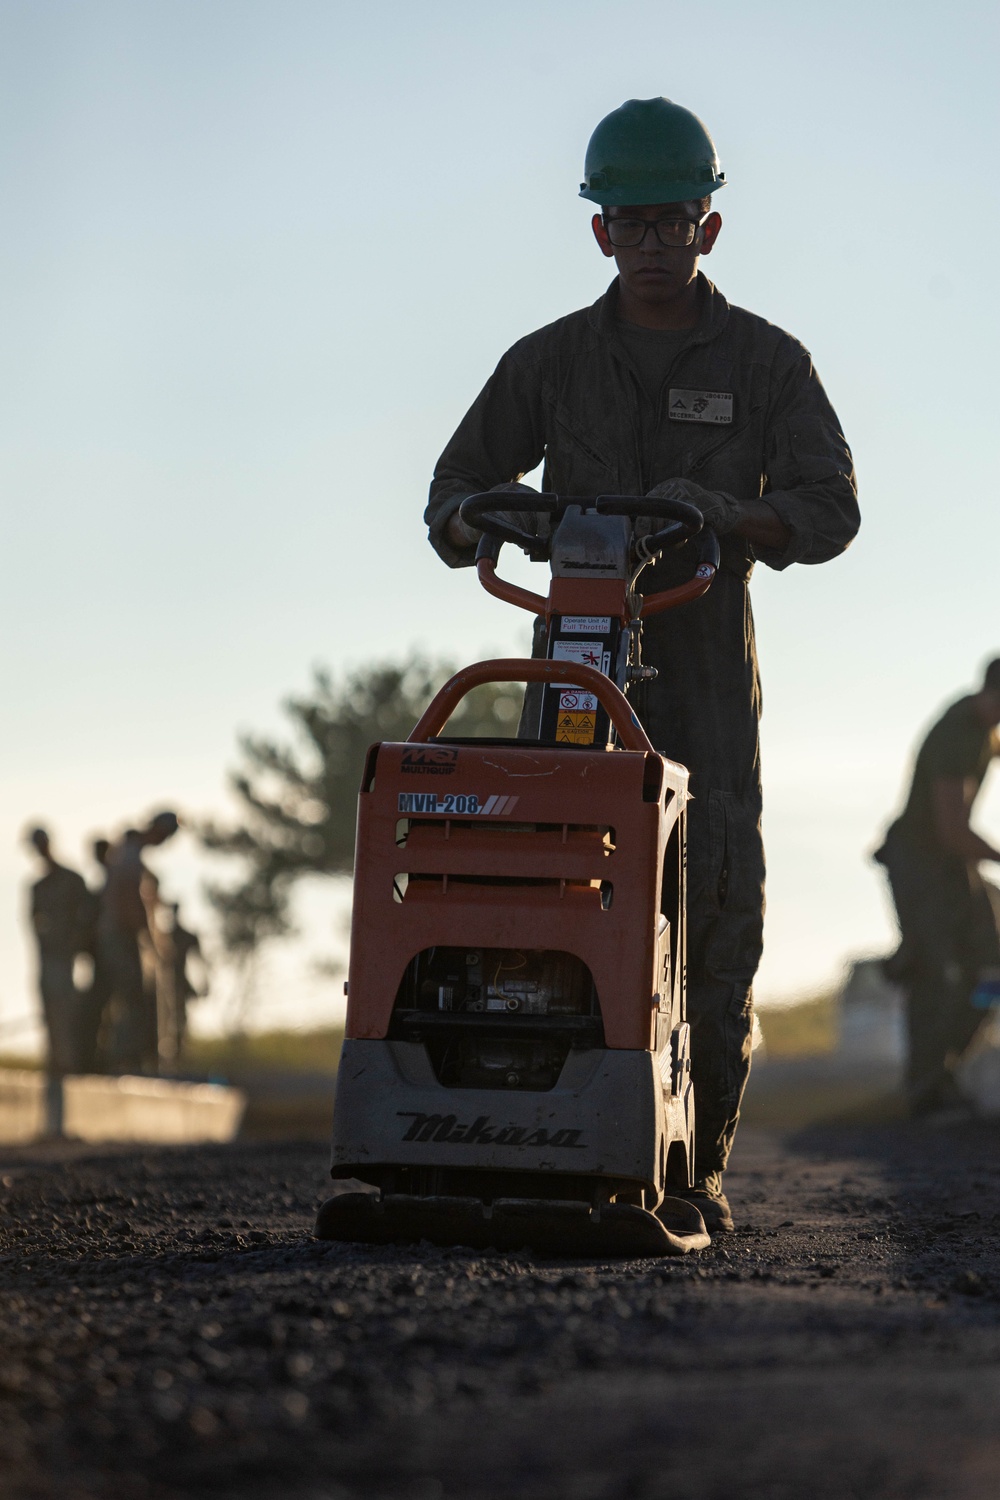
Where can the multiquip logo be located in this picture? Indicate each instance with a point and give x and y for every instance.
(429, 760)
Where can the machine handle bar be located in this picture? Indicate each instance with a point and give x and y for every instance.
(485, 511)
(513, 669)
(686, 520)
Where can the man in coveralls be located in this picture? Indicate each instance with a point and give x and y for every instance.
(58, 917)
(662, 388)
(123, 937)
(946, 920)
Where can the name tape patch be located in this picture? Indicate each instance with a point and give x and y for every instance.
(700, 406)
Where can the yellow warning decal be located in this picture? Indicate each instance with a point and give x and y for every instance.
(575, 729)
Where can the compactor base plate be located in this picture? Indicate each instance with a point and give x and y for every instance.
(547, 1226)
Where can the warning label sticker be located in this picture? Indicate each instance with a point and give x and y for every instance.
(587, 653)
(575, 700)
(575, 729)
(585, 624)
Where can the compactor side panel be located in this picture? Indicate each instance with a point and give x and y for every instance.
(449, 853)
(607, 1117)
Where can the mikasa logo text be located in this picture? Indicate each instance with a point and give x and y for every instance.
(482, 1133)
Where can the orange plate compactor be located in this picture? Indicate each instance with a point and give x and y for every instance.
(516, 1068)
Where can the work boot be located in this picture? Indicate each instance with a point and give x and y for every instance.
(941, 1096)
(708, 1197)
(54, 1109)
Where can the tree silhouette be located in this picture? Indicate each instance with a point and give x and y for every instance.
(299, 798)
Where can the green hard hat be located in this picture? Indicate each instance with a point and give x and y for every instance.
(650, 151)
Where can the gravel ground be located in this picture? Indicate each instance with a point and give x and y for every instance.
(170, 1329)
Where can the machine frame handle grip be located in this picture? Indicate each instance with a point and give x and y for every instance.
(435, 716)
(708, 566)
(510, 593)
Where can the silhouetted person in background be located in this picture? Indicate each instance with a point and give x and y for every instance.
(179, 948)
(123, 938)
(58, 917)
(946, 920)
(95, 999)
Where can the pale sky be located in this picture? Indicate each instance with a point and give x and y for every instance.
(259, 256)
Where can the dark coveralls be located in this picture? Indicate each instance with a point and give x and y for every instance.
(571, 394)
(122, 933)
(58, 915)
(946, 920)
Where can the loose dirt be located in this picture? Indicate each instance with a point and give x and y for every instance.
(169, 1329)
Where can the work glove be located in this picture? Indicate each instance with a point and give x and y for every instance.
(467, 536)
(721, 511)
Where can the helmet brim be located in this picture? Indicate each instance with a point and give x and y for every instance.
(598, 189)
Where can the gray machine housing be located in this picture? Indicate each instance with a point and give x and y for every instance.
(612, 1115)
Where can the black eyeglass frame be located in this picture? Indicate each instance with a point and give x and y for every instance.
(693, 225)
